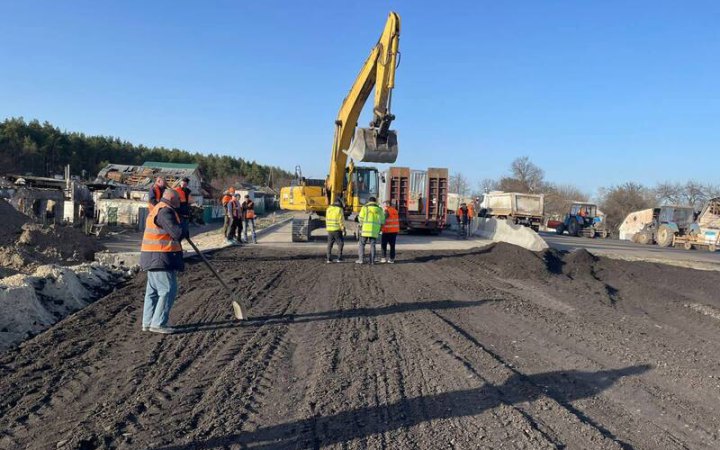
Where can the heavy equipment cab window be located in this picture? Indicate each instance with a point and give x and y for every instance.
(366, 182)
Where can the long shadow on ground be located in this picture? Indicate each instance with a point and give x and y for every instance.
(563, 386)
(397, 308)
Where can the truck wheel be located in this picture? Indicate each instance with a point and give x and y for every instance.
(573, 228)
(688, 246)
(642, 238)
(560, 229)
(712, 248)
(665, 236)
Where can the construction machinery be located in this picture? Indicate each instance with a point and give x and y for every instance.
(705, 231)
(583, 220)
(352, 184)
(667, 222)
(420, 197)
(517, 208)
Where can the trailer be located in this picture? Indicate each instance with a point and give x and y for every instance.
(705, 231)
(420, 197)
(521, 209)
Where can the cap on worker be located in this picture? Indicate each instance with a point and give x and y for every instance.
(237, 194)
(186, 179)
(172, 197)
(247, 196)
(372, 199)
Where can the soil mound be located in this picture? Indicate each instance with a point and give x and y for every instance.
(579, 264)
(12, 223)
(512, 261)
(24, 245)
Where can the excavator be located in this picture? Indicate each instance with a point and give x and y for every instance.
(352, 184)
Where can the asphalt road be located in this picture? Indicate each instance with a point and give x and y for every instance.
(631, 250)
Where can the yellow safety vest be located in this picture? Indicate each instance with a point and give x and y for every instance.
(334, 218)
(372, 217)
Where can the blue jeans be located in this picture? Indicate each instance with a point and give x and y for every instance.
(159, 297)
(250, 223)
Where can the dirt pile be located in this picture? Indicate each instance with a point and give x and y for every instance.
(29, 304)
(24, 245)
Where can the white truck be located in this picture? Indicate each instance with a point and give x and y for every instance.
(522, 209)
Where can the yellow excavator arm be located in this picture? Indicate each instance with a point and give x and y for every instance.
(377, 143)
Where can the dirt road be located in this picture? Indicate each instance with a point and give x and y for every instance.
(485, 348)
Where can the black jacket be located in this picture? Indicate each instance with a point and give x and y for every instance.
(166, 220)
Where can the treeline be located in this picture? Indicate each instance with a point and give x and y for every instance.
(615, 201)
(44, 150)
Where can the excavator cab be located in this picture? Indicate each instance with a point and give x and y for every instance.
(374, 145)
(363, 184)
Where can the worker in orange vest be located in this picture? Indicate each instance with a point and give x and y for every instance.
(161, 255)
(184, 210)
(248, 210)
(390, 230)
(227, 196)
(156, 192)
(462, 218)
(471, 216)
(234, 211)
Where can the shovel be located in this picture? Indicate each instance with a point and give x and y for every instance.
(237, 308)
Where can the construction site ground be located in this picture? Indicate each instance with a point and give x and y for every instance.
(490, 347)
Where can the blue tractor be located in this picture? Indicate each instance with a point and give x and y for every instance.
(583, 220)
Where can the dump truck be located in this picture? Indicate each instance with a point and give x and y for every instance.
(521, 209)
(705, 231)
(420, 196)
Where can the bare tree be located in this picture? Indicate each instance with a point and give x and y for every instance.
(528, 175)
(619, 201)
(487, 185)
(459, 184)
(694, 194)
(559, 198)
(668, 193)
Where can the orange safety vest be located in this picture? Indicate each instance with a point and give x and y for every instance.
(155, 239)
(471, 211)
(235, 207)
(226, 199)
(392, 221)
(183, 197)
(250, 212)
(460, 213)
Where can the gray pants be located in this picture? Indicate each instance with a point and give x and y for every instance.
(361, 248)
(333, 237)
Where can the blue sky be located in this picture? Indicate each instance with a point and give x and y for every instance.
(596, 93)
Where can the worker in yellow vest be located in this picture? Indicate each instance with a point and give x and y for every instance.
(161, 255)
(371, 219)
(389, 232)
(335, 226)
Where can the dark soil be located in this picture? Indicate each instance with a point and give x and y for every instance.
(493, 348)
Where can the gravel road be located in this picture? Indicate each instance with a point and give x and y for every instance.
(495, 347)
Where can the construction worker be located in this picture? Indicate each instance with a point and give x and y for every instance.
(390, 230)
(234, 211)
(248, 214)
(335, 226)
(462, 218)
(227, 196)
(156, 192)
(88, 210)
(184, 210)
(371, 219)
(161, 255)
(471, 218)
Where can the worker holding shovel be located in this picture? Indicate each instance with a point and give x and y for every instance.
(161, 255)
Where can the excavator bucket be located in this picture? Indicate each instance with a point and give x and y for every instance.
(367, 146)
